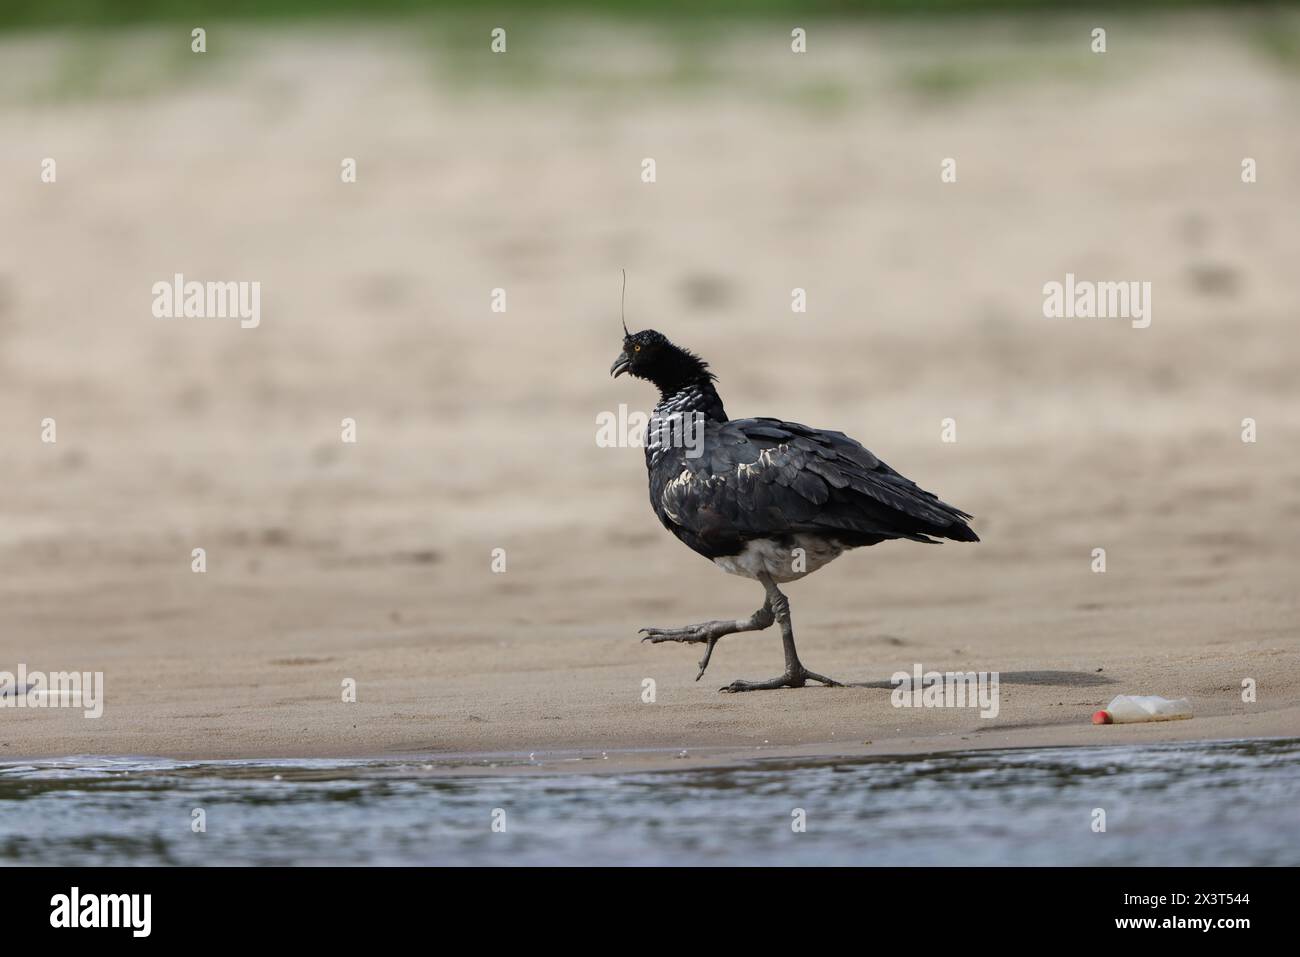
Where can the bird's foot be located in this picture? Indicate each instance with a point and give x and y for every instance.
(791, 679)
(691, 633)
(707, 632)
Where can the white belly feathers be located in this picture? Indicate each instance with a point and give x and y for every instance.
(781, 563)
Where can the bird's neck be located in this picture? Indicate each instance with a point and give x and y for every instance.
(688, 398)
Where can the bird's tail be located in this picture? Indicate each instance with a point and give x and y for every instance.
(959, 532)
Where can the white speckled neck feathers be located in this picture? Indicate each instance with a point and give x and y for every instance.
(699, 397)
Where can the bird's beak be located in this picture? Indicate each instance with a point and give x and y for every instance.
(620, 365)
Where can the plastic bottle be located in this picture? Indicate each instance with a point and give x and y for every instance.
(1127, 708)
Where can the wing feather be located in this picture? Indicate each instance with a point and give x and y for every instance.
(761, 478)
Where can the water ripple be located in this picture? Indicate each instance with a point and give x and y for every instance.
(1202, 803)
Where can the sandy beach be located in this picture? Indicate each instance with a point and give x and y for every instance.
(329, 561)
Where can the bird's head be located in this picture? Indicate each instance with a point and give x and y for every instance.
(650, 355)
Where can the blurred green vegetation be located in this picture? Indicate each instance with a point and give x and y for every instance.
(31, 13)
(144, 58)
(1280, 42)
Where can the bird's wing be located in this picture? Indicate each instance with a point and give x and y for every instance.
(765, 477)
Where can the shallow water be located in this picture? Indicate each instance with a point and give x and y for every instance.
(1201, 803)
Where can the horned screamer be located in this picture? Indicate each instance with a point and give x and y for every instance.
(764, 498)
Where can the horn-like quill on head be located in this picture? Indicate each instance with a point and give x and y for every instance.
(622, 301)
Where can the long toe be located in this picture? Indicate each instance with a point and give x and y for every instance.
(796, 680)
(828, 682)
(691, 633)
(785, 681)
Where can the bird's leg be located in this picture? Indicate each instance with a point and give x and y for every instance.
(796, 675)
(708, 632)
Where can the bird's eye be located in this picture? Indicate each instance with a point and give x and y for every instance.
(636, 348)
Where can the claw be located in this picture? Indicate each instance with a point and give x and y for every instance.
(704, 662)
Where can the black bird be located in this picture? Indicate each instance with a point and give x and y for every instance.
(764, 498)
